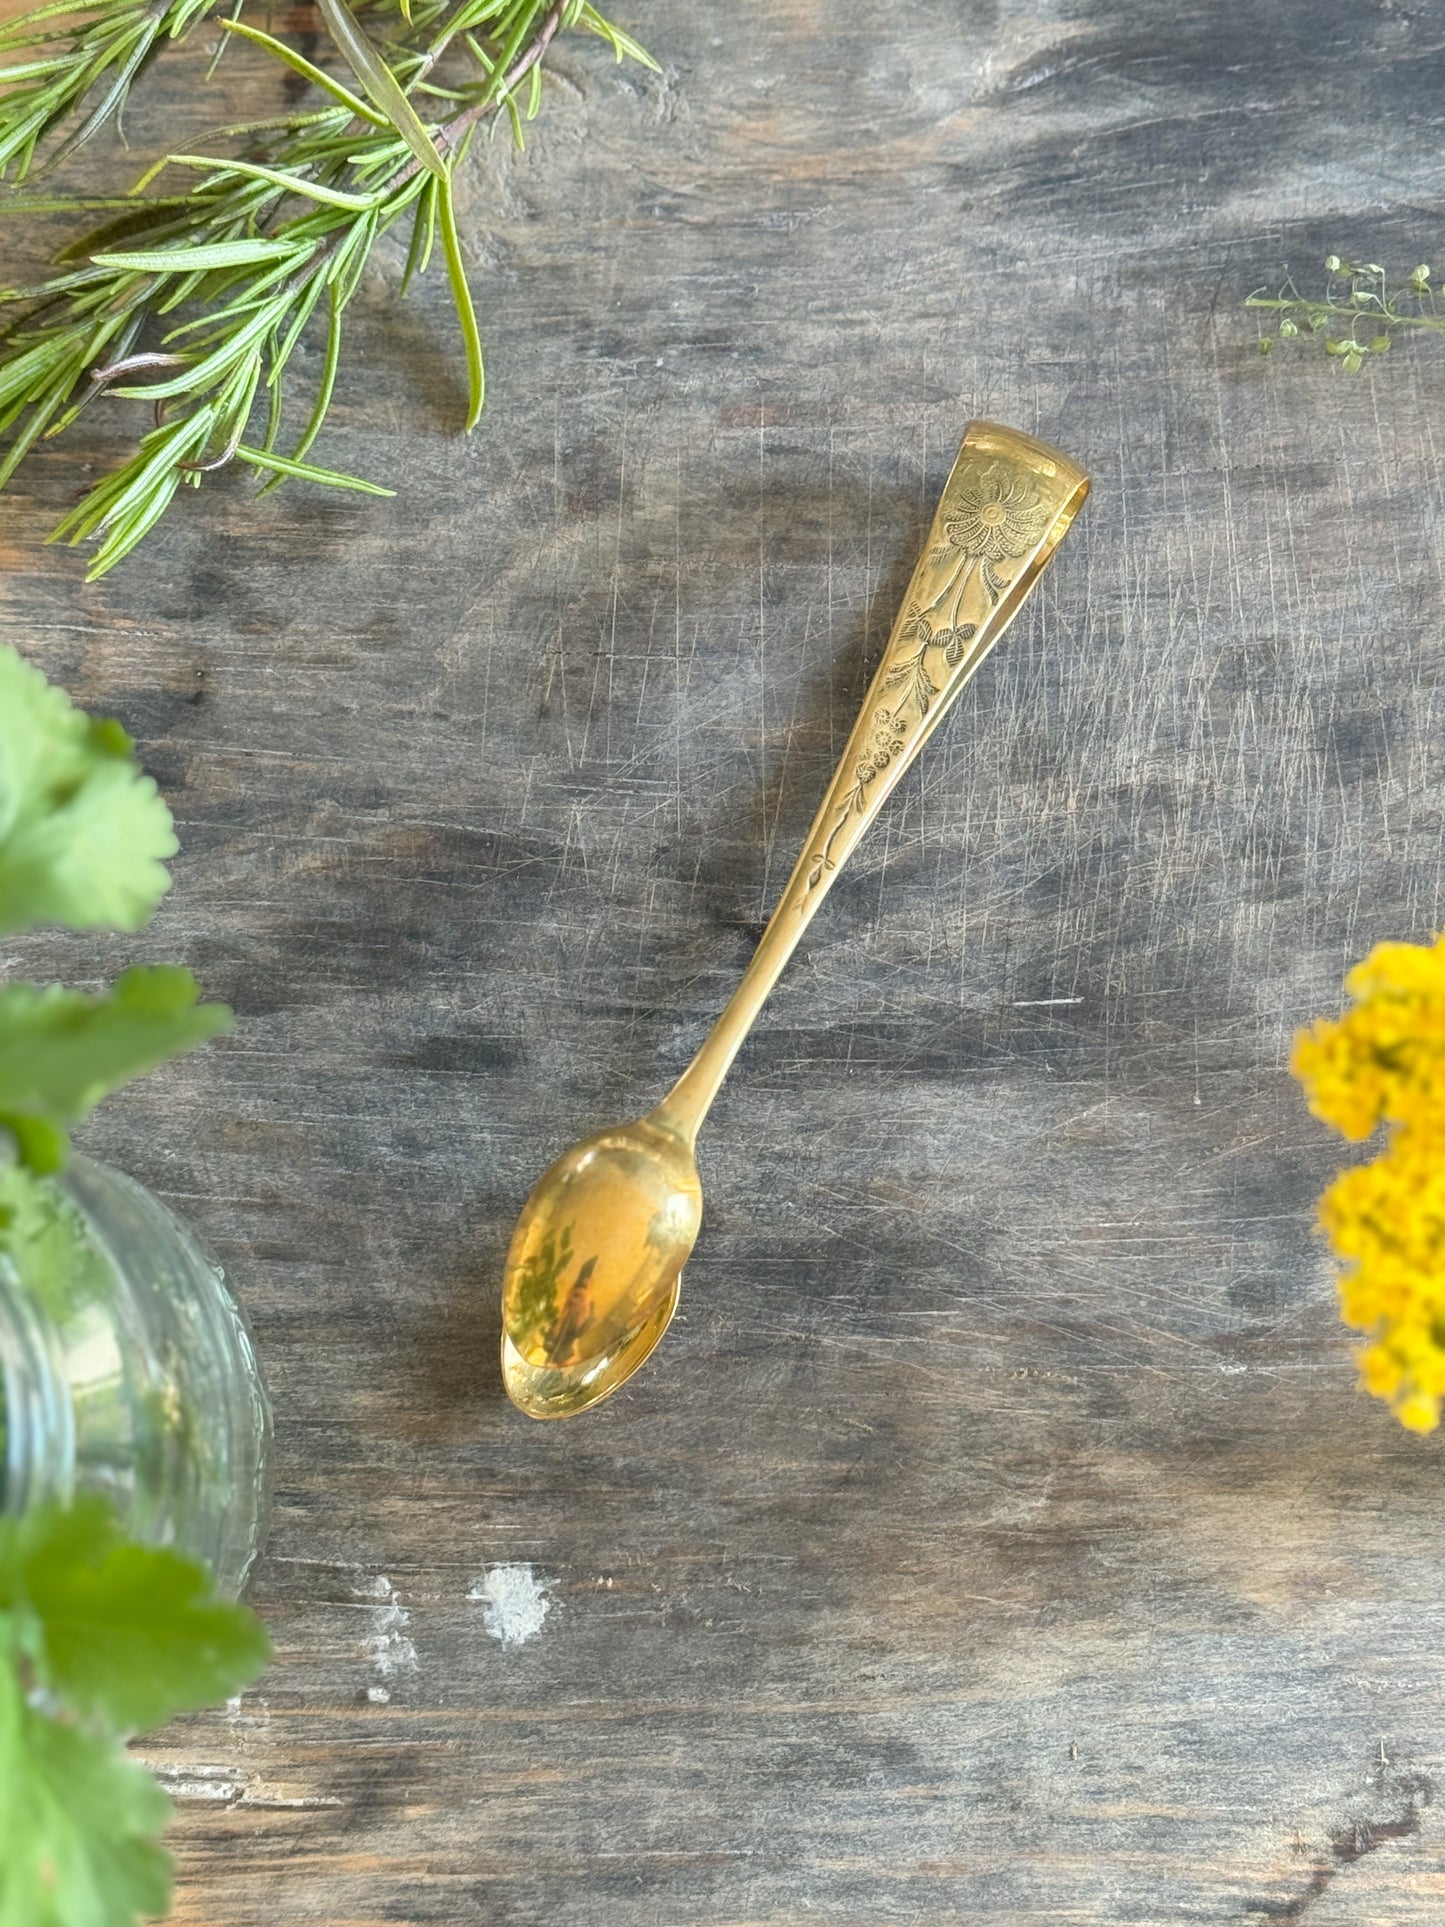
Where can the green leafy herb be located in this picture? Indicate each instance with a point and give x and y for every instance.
(80, 1824)
(196, 301)
(44, 1239)
(125, 1634)
(83, 833)
(1362, 309)
(61, 1051)
(98, 1637)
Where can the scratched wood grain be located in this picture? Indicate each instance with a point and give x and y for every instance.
(999, 1537)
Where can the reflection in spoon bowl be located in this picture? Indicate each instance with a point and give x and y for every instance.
(592, 1275)
(545, 1391)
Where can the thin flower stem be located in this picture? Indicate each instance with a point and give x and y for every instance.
(967, 576)
(947, 589)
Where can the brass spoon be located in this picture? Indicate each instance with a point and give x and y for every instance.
(596, 1260)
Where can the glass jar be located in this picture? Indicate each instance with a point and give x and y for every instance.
(141, 1385)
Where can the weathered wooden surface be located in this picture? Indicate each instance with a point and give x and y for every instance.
(998, 1536)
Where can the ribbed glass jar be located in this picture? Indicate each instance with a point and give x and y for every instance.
(144, 1386)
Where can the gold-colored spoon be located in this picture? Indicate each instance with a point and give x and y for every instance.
(595, 1262)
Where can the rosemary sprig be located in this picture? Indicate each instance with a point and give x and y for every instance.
(196, 301)
(1359, 313)
(79, 60)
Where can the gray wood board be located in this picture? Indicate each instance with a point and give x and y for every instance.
(999, 1535)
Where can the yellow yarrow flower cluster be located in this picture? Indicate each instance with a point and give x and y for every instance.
(1383, 1062)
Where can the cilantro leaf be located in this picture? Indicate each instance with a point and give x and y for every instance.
(82, 831)
(125, 1633)
(79, 1824)
(45, 1239)
(61, 1051)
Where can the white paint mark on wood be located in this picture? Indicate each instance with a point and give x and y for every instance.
(194, 1782)
(514, 1602)
(217, 1784)
(241, 1712)
(390, 1648)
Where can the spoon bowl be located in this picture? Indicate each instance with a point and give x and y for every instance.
(592, 1275)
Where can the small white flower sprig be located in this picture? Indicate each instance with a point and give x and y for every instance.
(1357, 316)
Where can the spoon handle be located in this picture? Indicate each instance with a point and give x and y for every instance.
(1004, 510)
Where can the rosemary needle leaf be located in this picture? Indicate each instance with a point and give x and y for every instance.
(31, 70)
(78, 203)
(299, 64)
(622, 44)
(327, 385)
(199, 376)
(379, 81)
(462, 296)
(81, 62)
(423, 234)
(305, 472)
(510, 46)
(219, 254)
(293, 183)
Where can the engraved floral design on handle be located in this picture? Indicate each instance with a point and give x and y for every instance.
(993, 514)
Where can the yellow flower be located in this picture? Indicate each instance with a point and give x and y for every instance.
(1385, 1059)
(1383, 1062)
(1419, 1413)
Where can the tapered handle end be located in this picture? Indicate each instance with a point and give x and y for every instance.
(1005, 508)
